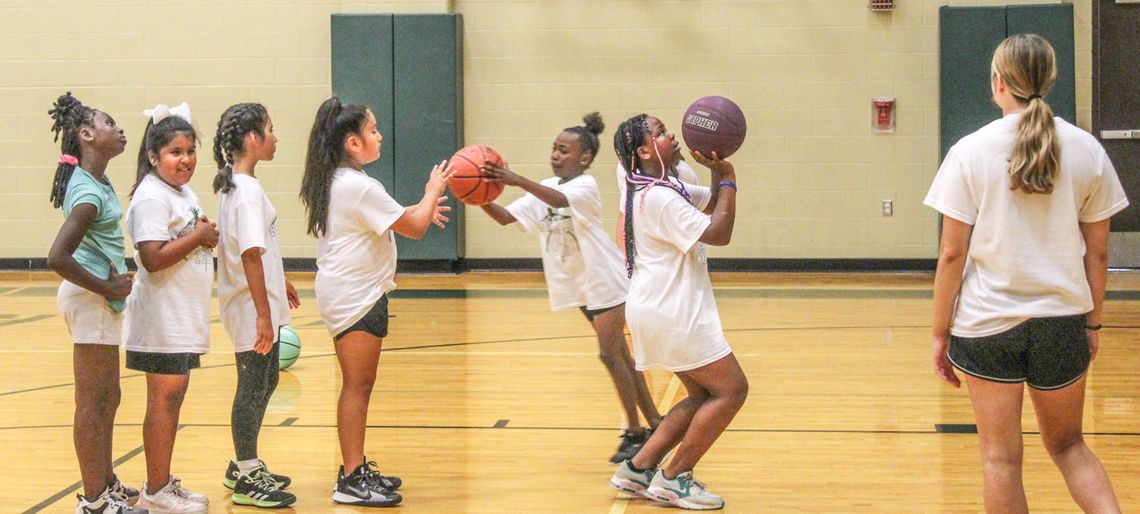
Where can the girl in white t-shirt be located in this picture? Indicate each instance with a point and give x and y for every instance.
(168, 312)
(355, 221)
(582, 266)
(671, 310)
(253, 296)
(88, 255)
(1018, 294)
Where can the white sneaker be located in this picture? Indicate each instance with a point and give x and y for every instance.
(106, 503)
(169, 500)
(627, 480)
(176, 485)
(684, 492)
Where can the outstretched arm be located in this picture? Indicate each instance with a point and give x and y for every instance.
(547, 195)
(417, 218)
(722, 205)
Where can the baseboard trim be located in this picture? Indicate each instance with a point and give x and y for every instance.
(531, 264)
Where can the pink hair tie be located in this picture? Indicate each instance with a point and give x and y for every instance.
(68, 159)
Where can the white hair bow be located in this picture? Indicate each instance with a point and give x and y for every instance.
(163, 111)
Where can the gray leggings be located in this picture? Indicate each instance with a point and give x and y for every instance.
(257, 379)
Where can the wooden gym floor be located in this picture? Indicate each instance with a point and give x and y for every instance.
(488, 402)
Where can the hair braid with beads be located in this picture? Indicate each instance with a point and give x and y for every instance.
(68, 115)
(235, 124)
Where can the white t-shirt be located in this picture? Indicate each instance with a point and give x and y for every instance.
(685, 174)
(356, 256)
(168, 311)
(247, 220)
(671, 311)
(582, 265)
(1026, 255)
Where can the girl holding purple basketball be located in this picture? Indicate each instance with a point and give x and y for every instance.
(582, 266)
(671, 310)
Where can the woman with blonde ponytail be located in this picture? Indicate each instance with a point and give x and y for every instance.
(1018, 295)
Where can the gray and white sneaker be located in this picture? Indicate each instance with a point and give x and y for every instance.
(628, 480)
(683, 491)
(169, 501)
(122, 492)
(106, 503)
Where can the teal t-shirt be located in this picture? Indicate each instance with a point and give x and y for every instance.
(102, 246)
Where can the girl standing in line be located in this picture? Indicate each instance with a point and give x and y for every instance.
(253, 296)
(1019, 291)
(355, 221)
(582, 266)
(88, 253)
(168, 313)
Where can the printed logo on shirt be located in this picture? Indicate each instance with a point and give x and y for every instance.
(701, 256)
(273, 229)
(558, 235)
(202, 254)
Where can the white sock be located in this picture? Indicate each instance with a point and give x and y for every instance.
(246, 466)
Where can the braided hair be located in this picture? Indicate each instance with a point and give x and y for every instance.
(237, 122)
(588, 133)
(68, 114)
(333, 125)
(630, 136)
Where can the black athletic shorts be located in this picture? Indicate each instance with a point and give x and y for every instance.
(163, 363)
(591, 314)
(1046, 353)
(375, 321)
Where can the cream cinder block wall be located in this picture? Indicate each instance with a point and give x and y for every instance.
(812, 174)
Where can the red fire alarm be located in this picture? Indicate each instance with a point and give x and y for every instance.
(882, 5)
(883, 114)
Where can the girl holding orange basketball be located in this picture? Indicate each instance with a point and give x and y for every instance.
(355, 219)
(671, 310)
(581, 264)
(253, 296)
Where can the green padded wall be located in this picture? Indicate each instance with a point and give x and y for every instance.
(428, 113)
(409, 70)
(967, 39)
(362, 73)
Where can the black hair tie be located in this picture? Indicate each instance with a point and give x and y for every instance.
(1033, 97)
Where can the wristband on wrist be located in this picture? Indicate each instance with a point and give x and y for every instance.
(1094, 328)
(727, 183)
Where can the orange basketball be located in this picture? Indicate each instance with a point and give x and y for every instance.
(469, 183)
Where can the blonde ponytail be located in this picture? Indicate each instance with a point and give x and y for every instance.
(1027, 66)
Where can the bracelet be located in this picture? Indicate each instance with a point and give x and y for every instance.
(728, 183)
(1094, 328)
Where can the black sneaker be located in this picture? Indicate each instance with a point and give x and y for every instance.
(631, 443)
(122, 492)
(260, 490)
(364, 488)
(232, 474)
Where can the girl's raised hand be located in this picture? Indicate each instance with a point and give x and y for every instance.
(715, 164)
(504, 175)
(437, 217)
(440, 175)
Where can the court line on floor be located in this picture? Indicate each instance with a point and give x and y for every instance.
(74, 487)
(575, 429)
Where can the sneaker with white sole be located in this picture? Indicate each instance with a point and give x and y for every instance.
(122, 492)
(259, 489)
(169, 500)
(106, 503)
(683, 491)
(631, 481)
(363, 487)
(175, 485)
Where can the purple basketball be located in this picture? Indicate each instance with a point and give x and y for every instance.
(714, 123)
